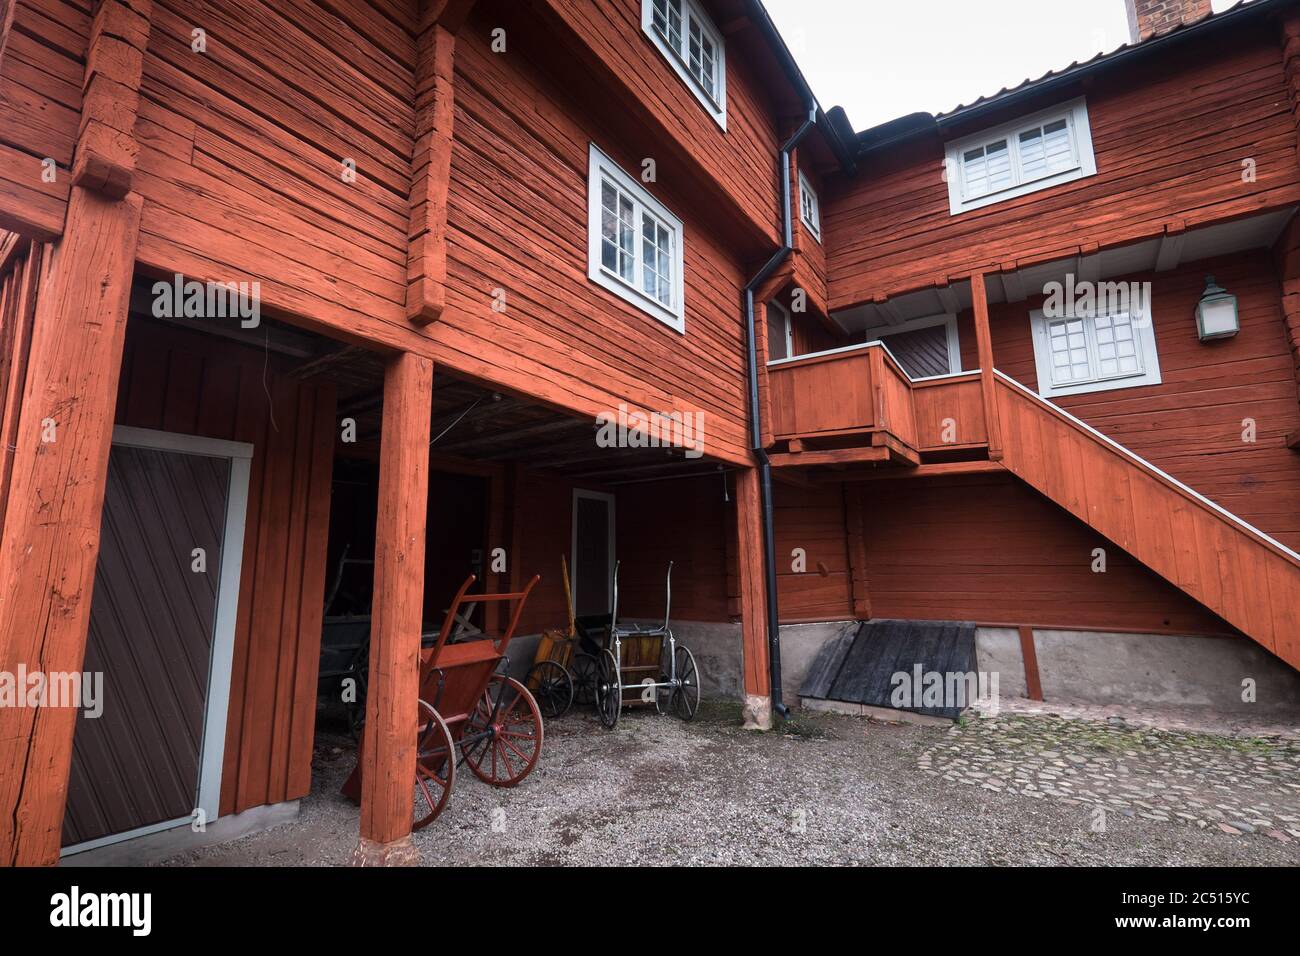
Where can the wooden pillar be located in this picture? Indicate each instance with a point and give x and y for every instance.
(388, 753)
(56, 494)
(984, 342)
(1287, 255)
(753, 604)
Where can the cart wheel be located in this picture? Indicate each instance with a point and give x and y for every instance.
(609, 693)
(508, 747)
(435, 766)
(685, 697)
(357, 709)
(584, 679)
(552, 686)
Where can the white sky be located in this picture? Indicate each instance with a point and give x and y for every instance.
(881, 59)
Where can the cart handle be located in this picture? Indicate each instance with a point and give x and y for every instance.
(462, 596)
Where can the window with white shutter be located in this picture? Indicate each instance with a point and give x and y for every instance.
(686, 36)
(810, 209)
(1034, 153)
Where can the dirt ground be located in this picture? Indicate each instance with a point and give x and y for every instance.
(831, 789)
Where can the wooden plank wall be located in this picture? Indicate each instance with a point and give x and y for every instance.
(991, 550)
(1220, 102)
(518, 223)
(1191, 424)
(813, 519)
(42, 65)
(18, 284)
(194, 384)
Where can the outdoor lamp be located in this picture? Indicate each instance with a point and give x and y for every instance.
(1216, 313)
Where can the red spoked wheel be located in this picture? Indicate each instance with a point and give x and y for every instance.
(509, 746)
(435, 766)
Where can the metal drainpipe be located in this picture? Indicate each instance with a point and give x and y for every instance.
(755, 414)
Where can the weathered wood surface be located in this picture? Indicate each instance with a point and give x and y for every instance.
(749, 556)
(388, 754)
(52, 516)
(1221, 101)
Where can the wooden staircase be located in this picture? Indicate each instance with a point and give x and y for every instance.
(1237, 571)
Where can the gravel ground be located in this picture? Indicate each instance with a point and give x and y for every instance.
(826, 789)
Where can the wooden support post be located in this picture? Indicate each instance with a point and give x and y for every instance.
(52, 516)
(106, 145)
(763, 348)
(1287, 257)
(6, 24)
(856, 526)
(984, 342)
(753, 604)
(1029, 653)
(388, 758)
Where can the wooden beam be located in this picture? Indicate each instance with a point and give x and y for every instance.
(17, 315)
(7, 8)
(106, 145)
(984, 341)
(753, 602)
(941, 470)
(835, 456)
(1029, 653)
(856, 528)
(388, 752)
(52, 516)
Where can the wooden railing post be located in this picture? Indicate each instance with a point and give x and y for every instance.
(984, 342)
(388, 751)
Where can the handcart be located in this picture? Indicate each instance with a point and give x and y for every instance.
(647, 663)
(468, 704)
(551, 678)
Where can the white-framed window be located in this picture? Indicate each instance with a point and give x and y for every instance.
(1033, 153)
(634, 244)
(810, 209)
(1094, 353)
(780, 332)
(926, 347)
(686, 36)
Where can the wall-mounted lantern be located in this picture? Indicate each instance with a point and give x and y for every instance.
(1216, 313)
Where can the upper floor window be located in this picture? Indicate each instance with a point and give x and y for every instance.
(1094, 353)
(634, 244)
(687, 37)
(810, 210)
(1030, 154)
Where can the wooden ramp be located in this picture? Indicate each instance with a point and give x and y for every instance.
(861, 665)
(1237, 571)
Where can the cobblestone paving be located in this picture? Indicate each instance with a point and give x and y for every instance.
(1239, 785)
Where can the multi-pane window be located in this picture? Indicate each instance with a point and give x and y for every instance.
(1035, 153)
(809, 208)
(1094, 352)
(635, 244)
(687, 37)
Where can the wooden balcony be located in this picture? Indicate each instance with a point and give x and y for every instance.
(857, 405)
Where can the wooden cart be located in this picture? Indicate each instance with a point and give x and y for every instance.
(469, 707)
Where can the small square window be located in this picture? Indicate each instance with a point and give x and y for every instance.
(1093, 353)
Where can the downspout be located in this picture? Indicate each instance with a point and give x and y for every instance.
(755, 414)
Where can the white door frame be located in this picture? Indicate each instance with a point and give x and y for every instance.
(573, 564)
(213, 747)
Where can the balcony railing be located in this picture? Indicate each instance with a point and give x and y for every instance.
(857, 404)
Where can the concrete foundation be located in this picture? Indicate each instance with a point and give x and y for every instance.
(150, 849)
(1145, 670)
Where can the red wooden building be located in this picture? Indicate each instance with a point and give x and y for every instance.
(334, 295)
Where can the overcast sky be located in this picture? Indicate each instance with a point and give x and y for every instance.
(881, 59)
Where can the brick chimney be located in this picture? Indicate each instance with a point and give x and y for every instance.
(1148, 18)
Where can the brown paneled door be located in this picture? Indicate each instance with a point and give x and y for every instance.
(593, 551)
(161, 635)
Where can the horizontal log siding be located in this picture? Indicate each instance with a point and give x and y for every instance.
(991, 550)
(517, 222)
(1191, 424)
(1169, 138)
(42, 68)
